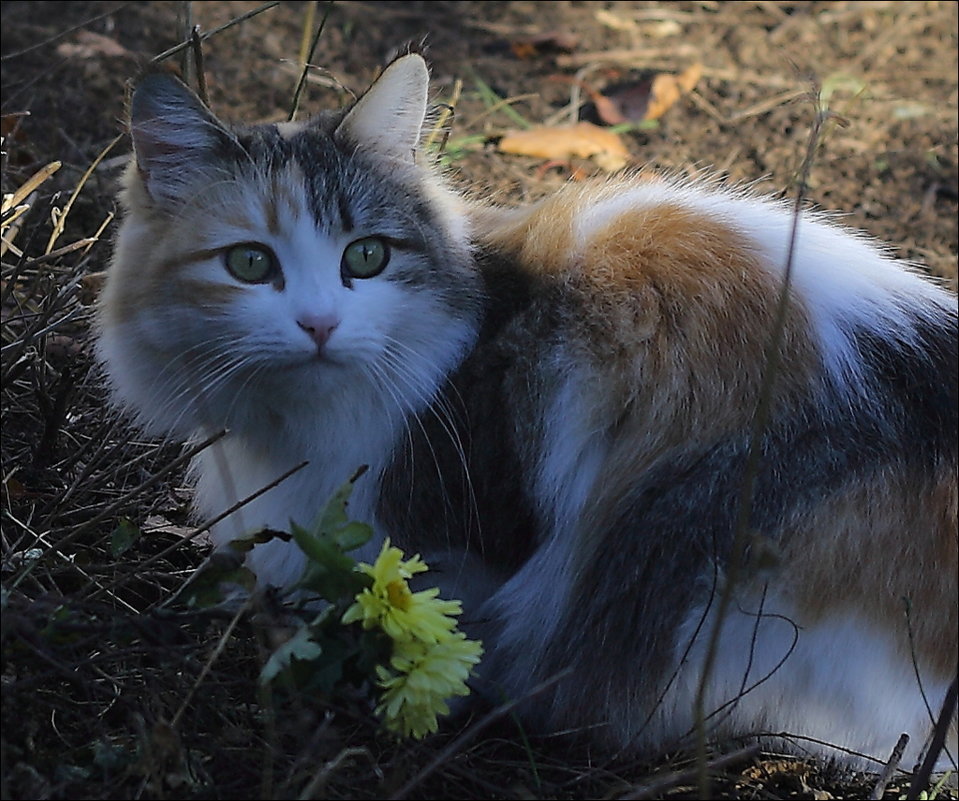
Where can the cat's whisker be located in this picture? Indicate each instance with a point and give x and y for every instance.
(173, 383)
(438, 406)
(385, 373)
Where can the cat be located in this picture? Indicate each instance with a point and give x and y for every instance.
(557, 404)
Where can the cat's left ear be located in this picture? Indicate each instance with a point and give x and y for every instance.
(176, 139)
(388, 118)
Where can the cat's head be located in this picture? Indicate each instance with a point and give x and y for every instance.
(260, 269)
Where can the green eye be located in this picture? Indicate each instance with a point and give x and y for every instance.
(253, 264)
(364, 258)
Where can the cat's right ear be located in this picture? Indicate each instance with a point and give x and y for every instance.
(388, 118)
(175, 136)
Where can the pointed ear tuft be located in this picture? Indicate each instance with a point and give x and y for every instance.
(176, 138)
(388, 118)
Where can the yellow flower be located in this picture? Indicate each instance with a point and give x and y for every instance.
(426, 675)
(390, 605)
(431, 661)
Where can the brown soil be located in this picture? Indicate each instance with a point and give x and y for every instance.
(86, 721)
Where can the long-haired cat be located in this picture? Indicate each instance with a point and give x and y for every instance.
(558, 405)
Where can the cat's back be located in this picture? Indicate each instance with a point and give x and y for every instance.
(648, 321)
(678, 285)
(639, 328)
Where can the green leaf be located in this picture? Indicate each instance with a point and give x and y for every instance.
(213, 583)
(326, 672)
(123, 537)
(250, 541)
(322, 549)
(301, 646)
(334, 522)
(353, 535)
(329, 571)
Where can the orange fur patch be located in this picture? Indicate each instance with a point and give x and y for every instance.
(889, 552)
(674, 307)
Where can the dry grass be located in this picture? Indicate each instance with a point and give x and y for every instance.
(113, 690)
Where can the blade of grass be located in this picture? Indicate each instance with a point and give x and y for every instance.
(494, 102)
(61, 220)
(754, 455)
(29, 185)
(306, 62)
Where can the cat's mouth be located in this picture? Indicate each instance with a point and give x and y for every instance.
(316, 359)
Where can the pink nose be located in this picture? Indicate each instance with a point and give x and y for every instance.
(318, 326)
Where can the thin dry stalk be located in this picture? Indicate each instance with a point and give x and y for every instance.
(760, 421)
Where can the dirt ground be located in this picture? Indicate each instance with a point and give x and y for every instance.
(886, 158)
(888, 69)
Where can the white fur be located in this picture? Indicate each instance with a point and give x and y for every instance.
(389, 117)
(572, 456)
(573, 453)
(840, 679)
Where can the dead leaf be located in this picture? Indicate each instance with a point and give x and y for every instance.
(576, 173)
(158, 524)
(11, 122)
(625, 102)
(90, 286)
(645, 98)
(89, 45)
(583, 140)
(606, 108)
(666, 89)
(544, 44)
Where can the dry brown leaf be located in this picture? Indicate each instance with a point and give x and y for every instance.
(544, 44)
(607, 109)
(667, 89)
(583, 140)
(10, 122)
(89, 44)
(90, 286)
(158, 524)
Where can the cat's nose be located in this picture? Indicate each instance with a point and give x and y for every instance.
(318, 326)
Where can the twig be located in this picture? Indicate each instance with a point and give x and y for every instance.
(753, 457)
(224, 638)
(51, 39)
(236, 21)
(304, 52)
(68, 563)
(223, 515)
(679, 777)
(196, 46)
(920, 779)
(306, 62)
(894, 759)
(22, 192)
(53, 255)
(114, 507)
(185, 23)
(316, 784)
(62, 217)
